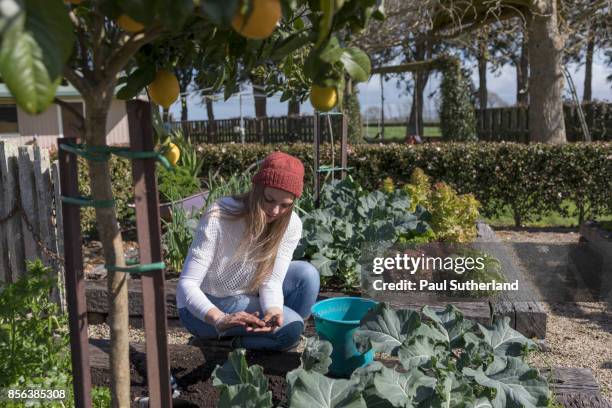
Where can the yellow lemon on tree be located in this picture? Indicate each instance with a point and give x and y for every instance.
(127, 23)
(164, 89)
(323, 98)
(173, 153)
(262, 20)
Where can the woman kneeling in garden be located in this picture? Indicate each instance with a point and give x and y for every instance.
(238, 278)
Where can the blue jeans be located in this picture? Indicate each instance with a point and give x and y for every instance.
(300, 290)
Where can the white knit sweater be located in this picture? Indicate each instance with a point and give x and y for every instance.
(210, 269)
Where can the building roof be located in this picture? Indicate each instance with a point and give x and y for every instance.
(62, 90)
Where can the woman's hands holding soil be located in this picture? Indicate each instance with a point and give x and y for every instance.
(273, 318)
(250, 321)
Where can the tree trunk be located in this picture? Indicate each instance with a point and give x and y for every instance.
(422, 52)
(184, 109)
(482, 74)
(260, 108)
(588, 66)
(293, 108)
(546, 123)
(97, 105)
(210, 114)
(260, 102)
(421, 79)
(522, 75)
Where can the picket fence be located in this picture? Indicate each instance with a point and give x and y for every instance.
(30, 213)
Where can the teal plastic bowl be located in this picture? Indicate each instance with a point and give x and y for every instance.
(336, 320)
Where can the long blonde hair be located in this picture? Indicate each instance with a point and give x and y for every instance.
(261, 240)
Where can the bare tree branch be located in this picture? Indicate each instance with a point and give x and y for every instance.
(589, 11)
(415, 66)
(122, 55)
(81, 84)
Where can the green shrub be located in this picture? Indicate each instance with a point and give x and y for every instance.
(178, 236)
(532, 180)
(348, 218)
(457, 114)
(123, 191)
(34, 340)
(176, 183)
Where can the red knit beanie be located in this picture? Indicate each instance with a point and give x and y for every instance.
(283, 171)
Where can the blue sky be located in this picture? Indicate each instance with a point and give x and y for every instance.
(397, 103)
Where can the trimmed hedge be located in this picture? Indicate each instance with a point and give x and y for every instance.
(531, 180)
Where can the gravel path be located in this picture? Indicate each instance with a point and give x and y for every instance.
(577, 334)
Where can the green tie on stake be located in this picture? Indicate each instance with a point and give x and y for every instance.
(102, 154)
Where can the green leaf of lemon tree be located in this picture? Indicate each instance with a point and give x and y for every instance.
(136, 81)
(34, 52)
(357, 64)
(325, 24)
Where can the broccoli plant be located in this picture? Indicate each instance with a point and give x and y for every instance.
(443, 360)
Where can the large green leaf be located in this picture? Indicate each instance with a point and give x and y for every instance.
(244, 396)
(325, 23)
(404, 389)
(453, 391)
(314, 390)
(385, 329)
(331, 52)
(236, 371)
(516, 385)
(25, 75)
(136, 81)
(34, 50)
(325, 266)
(357, 64)
(450, 322)
(418, 351)
(316, 355)
(504, 340)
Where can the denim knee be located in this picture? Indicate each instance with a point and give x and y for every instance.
(289, 335)
(309, 275)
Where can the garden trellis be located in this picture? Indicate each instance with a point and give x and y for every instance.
(151, 267)
(318, 169)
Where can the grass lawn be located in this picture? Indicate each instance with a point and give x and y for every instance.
(398, 132)
(552, 219)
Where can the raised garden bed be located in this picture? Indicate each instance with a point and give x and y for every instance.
(599, 239)
(192, 366)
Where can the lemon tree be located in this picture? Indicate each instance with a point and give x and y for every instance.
(108, 48)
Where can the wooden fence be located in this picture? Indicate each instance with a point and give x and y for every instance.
(512, 124)
(284, 129)
(29, 185)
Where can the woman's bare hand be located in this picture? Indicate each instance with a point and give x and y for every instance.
(250, 321)
(273, 318)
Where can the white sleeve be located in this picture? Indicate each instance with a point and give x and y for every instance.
(271, 290)
(199, 258)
